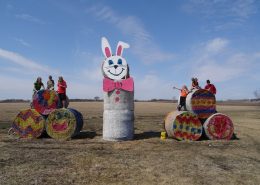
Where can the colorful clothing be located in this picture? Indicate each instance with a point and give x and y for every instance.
(50, 84)
(184, 93)
(62, 87)
(211, 88)
(37, 86)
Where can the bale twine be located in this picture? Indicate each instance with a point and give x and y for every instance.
(183, 125)
(28, 124)
(219, 126)
(64, 123)
(201, 102)
(45, 101)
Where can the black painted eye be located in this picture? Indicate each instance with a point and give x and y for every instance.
(66, 115)
(58, 116)
(110, 62)
(119, 62)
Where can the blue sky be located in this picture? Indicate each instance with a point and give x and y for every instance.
(170, 42)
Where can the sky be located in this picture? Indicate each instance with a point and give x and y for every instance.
(170, 42)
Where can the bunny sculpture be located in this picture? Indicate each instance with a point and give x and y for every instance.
(118, 87)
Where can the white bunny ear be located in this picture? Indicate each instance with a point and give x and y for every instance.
(106, 47)
(120, 47)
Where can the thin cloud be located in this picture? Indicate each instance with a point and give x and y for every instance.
(216, 61)
(27, 64)
(225, 13)
(216, 45)
(30, 18)
(157, 89)
(142, 45)
(13, 87)
(22, 42)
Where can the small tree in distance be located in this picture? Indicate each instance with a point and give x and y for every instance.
(257, 94)
(96, 98)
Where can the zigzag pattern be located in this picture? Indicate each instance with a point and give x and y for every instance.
(28, 124)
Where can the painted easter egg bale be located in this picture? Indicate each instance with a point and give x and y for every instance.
(28, 124)
(201, 102)
(118, 125)
(45, 101)
(64, 123)
(219, 126)
(183, 125)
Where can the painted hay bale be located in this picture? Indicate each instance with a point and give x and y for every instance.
(183, 125)
(64, 123)
(119, 100)
(201, 102)
(28, 124)
(118, 87)
(118, 125)
(219, 126)
(45, 101)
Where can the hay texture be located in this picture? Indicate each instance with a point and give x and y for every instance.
(45, 101)
(202, 103)
(219, 126)
(28, 124)
(64, 123)
(118, 87)
(183, 125)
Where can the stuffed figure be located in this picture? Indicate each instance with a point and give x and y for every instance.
(118, 87)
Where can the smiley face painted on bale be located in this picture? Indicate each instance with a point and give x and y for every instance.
(61, 123)
(114, 67)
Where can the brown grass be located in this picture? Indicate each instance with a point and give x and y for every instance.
(88, 159)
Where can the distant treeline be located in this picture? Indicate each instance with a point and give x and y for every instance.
(14, 101)
(136, 100)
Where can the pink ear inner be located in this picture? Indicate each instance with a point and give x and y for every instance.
(119, 51)
(108, 53)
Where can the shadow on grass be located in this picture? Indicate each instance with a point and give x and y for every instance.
(147, 135)
(85, 134)
(204, 137)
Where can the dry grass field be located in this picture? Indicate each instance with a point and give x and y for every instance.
(87, 159)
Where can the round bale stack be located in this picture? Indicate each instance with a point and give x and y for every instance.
(28, 124)
(64, 123)
(201, 102)
(219, 126)
(45, 101)
(183, 125)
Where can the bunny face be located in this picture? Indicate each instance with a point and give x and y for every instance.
(114, 67)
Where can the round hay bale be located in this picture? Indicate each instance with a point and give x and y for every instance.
(28, 124)
(118, 125)
(183, 125)
(119, 100)
(64, 123)
(45, 101)
(219, 126)
(201, 102)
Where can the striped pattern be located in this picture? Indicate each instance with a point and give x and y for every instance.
(28, 124)
(183, 125)
(219, 126)
(202, 103)
(45, 101)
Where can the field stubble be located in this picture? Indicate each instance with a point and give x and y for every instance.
(87, 159)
